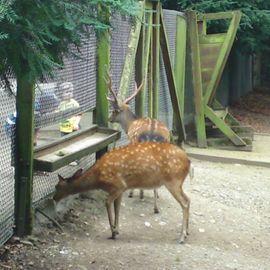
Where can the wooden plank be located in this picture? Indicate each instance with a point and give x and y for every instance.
(215, 16)
(156, 57)
(212, 38)
(103, 64)
(143, 60)
(210, 49)
(227, 131)
(171, 80)
(131, 53)
(226, 144)
(180, 59)
(222, 59)
(196, 78)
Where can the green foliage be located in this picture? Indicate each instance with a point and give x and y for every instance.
(37, 34)
(254, 30)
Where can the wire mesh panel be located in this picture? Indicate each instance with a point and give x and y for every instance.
(121, 27)
(7, 138)
(72, 93)
(76, 82)
(165, 105)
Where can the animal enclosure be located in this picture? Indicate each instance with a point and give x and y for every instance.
(82, 73)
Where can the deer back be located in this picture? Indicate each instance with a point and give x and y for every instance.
(143, 165)
(139, 165)
(148, 129)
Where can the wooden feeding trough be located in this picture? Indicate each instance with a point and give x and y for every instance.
(72, 147)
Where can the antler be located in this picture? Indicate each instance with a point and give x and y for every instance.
(137, 90)
(109, 84)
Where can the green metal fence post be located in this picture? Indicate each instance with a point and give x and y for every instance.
(24, 157)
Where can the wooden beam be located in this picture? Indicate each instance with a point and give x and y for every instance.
(171, 80)
(24, 156)
(103, 63)
(180, 59)
(131, 53)
(227, 131)
(156, 55)
(215, 16)
(196, 79)
(222, 58)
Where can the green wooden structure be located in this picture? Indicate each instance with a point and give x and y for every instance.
(148, 42)
(148, 38)
(214, 125)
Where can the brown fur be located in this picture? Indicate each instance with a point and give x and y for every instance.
(142, 165)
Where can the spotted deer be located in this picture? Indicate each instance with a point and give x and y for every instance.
(144, 165)
(137, 129)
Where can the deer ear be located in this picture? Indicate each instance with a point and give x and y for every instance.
(76, 174)
(61, 178)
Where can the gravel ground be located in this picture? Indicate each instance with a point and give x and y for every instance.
(229, 228)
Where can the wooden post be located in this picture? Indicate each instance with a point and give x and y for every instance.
(155, 59)
(180, 56)
(103, 64)
(131, 53)
(171, 81)
(24, 156)
(196, 79)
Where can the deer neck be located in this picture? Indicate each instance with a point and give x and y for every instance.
(127, 120)
(87, 181)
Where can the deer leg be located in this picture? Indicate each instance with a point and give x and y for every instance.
(141, 194)
(117, 204)
(184, 201)
(130, 195)
(111, 199)
(156, 210)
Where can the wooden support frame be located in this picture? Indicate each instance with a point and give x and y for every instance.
(197, 80)
(103, 63)
(147, 40)
(171, 81)
(207, 71)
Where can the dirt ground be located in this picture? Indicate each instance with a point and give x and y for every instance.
(229, 228)
(254, 110)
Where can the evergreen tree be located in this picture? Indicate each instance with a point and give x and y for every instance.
(254, 30)
(35, 35)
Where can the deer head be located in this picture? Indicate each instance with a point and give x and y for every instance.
(121, 111)
(65, 186)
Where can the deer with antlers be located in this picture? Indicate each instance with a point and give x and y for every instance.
(137, 129)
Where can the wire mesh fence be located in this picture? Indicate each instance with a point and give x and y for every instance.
(78, 79)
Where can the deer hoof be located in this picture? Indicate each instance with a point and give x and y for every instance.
(183, 238)
(156, 211)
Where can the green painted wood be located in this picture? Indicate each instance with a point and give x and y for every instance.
(227, 131)
(222, 59)
(196, 79)
(216, 16)
(212, 38)
(171, 81)
(131, 53)
(103, 64)
(24, 156)
(139, 72)
(180, 59)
